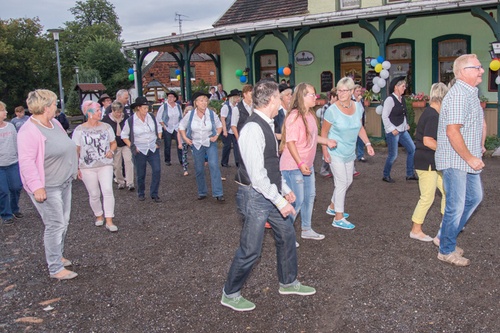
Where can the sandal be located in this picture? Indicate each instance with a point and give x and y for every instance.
(454, 259)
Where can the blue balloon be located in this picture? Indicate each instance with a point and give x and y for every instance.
(243, 79)
(131, 71)
(380, 59)
(280, 71)
(177, 72)
(374, 62)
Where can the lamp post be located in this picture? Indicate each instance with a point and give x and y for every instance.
(55, 33)
(77, 78)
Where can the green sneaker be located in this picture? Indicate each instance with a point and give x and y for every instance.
(237, 303)
(298, 289)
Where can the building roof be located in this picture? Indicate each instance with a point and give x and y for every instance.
(257, 10)
(90, 87)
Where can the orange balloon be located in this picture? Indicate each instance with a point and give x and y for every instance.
(287, 71)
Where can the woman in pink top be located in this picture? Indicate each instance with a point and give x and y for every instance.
(298, 143)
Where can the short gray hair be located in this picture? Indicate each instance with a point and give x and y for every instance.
(115, 106)
(438, 91)
(262, 93)
(346, 82)
(121, 92)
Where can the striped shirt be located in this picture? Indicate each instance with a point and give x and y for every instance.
(460, 106)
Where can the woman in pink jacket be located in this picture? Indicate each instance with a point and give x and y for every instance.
(48, 164)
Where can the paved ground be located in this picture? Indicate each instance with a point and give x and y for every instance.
(164, 269)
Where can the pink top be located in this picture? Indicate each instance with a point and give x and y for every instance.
(306, 147)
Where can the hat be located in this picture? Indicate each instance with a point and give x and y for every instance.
(173, 93)
(141, 100)
(198, 94)
(234, 92)
(103, 97)
(282, 87)
(395, 81)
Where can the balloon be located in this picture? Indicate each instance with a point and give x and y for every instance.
(177, 72)
(384, 74)
(378, 68)
(178, 77)
(381, 83)
(287, 71)
(497, 80)
(280, 71)
(380, 59)
(243, 79)
(495, 65)
(131, 71)
(375, 80)
(376, 89)
(131, 77)
(378, 109)
(374, 62)
(239, 72)
(386, 65)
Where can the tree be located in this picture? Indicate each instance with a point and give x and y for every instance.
(94, 12)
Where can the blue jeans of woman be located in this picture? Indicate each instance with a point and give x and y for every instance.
(406, 141)
(304, 188)
(464, 192)
(10, 190)
(213, 165)
(55, 213)
(140, 162)
(256, 210)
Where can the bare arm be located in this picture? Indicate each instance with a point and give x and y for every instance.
(430, 142)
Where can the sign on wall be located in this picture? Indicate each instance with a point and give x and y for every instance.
(304, 58)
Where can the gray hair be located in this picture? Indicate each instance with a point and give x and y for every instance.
(461, 62)
(121, 92)
(346, 82)
(438, 91)
(116, 106)
(262, 93)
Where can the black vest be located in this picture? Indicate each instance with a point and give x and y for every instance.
(398, 112)
(243, 116)
(271, 159)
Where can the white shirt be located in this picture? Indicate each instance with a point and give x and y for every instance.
(386, 111)
(224, 111)
(201, 128)
(173, 117)
(144, 133)
(236, 113)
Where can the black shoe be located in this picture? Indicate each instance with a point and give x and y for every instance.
(414, 177)
(201, 197)
(168, 163)
(141, 198)
(225, 165)
(388, 179)
(9, 221)
(156, 199)
(362, 159)
(221, 198)
(18, 215)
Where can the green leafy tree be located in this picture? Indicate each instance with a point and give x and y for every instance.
(95, 12)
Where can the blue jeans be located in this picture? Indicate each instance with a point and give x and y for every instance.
(213, 165)
(55, 213)
(10, 190)
(226, 150)
(464, 192)
(168, 137)
(406, 141)
(360, 148)
(256, 211)
(140, 162)
(304, 188)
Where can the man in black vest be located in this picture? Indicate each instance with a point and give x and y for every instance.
(262, 197)
(243, 111)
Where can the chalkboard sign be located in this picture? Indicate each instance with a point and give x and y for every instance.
(326, 81)
(369, 79)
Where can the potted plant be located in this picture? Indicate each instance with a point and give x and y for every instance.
(483, 100)
(369, 96)
(419, 100)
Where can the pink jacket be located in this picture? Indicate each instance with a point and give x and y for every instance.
(31, 151)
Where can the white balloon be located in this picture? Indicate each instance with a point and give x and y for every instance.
(379, 109)
(375, 80)
(497, 80)
(376, 89)
(384, 74)
(381, 83)
(386, 65)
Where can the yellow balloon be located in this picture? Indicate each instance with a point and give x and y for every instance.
(178, 77)
(378, 68)
(495, 65)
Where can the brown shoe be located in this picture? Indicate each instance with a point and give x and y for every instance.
(454, 259)
(458, 250)
(64, 275)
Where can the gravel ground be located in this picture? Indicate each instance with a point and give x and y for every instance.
(163, 271)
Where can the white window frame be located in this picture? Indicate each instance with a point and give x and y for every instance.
(349, 4)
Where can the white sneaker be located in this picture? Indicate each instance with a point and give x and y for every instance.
(311, 234)
(297, 244)
(99, 223)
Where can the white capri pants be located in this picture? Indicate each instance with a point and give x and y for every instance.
(342, 178)
(97, 180)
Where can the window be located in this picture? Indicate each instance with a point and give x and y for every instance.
(350, 4)
(173, 76)
(266, 65)
(351, 63)
(448, 51)
(400, 57)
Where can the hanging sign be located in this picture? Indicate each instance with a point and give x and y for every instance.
(304, 58)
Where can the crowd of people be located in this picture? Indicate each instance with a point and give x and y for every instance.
(274, 132)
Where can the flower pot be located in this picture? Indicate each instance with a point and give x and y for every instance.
(367, 102)
(483, 105)
(419, 104)
(320, 102)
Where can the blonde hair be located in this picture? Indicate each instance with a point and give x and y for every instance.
(298, 104)
(438, 91)
(346, 82)
(4, 105)
(462, 62)
(39, 99)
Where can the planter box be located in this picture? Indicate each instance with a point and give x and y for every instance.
(419, 104)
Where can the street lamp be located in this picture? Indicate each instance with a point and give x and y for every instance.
(55, 33)
(77, 78)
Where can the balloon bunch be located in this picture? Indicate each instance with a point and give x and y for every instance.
(284, 71)
(178, 73)
(131, 76)
(242, 75)
(381, 67)
(495, 66)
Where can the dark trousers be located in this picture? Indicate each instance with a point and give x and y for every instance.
(168, 137)
(226, 150)
(140, 162)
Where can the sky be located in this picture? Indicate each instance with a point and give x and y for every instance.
(143, 19)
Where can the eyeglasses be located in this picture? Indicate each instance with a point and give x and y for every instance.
(476, 67)
(311, 95)
(343, 90)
